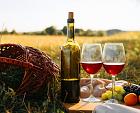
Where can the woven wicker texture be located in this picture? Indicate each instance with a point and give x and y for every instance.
(26, 69)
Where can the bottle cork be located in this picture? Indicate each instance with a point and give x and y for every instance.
(70, 15)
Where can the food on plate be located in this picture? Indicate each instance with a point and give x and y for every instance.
(85, 81)
(99, 90)
(101, 86)
(98, 87)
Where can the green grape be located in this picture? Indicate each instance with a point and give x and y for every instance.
(122, 92)
(118, 94)
(119, 97)
(118, 88)
(104, 96)
(115, 95)
(109, 94)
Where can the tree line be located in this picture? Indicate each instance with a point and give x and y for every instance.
(52, 30)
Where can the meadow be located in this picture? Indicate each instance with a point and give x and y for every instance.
(51, 46)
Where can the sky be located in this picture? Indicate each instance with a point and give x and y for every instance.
(36, 15)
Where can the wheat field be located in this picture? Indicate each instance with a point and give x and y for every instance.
(51, 46)
(52, 43)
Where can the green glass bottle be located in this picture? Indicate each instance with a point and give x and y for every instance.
(70, 65)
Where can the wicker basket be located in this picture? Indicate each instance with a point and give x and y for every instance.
(26, 69)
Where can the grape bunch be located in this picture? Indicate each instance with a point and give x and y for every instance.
(132, 89)
(118, 94)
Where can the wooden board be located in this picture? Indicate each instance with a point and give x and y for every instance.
(81, 107)
(85, 107)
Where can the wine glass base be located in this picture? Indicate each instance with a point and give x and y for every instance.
(91, 99)
(112, 101)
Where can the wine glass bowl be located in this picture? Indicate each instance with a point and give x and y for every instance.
(113, 68)
(91, 67)
(113, 62)
(91, 61)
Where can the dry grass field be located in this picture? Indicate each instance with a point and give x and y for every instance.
(51, 45)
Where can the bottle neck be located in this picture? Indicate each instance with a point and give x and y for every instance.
(70, 30)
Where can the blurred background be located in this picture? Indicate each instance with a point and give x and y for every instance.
(43, 24)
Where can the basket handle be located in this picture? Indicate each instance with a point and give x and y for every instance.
(26, 65)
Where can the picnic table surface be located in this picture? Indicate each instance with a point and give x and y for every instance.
(86, 107)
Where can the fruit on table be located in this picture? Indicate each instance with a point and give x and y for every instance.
(131, 99)
(100, 86)
(132, 89)
(118, 94)
(120, 90)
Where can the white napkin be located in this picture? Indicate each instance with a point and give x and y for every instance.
(115, 108)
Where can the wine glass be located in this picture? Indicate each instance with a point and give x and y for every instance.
(91, 61)
(113, 62)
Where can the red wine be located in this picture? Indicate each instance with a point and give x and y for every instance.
(113, 68)
(91, 67)
(70, 90)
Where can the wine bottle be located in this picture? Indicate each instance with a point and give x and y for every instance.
(70, 65)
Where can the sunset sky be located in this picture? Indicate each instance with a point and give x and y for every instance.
(36, 15)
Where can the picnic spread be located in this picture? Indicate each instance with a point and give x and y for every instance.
(102, 106)
(32, 74)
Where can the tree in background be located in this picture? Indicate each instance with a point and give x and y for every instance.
(51, 30)
(79, 32)
(89, 33)
(13, 32)
(101, 33)
(64, 30)
(5, 31)
(59, 32)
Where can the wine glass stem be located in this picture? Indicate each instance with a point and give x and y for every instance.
(91, 78)
(113, 86)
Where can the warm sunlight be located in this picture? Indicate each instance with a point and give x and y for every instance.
(33, 15)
